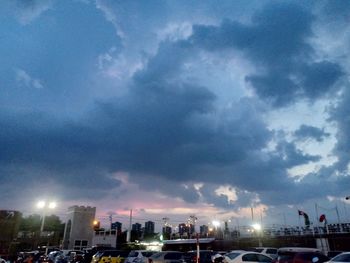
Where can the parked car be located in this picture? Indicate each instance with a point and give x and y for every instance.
(343, 257)
(269, 251)
(218, 256)
(239, 256)
(112, 256)
(300, 255)
(332, 254)
(204, 256)
(139, 256)
(166, 257)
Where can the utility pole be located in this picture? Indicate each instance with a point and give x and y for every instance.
(128, 236)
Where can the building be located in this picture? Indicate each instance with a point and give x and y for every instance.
(149, 227)
(167, 230)
(103, 238)
(136, 227)
(184, 230)
(117, 226)
(79, 230)
(204, 231)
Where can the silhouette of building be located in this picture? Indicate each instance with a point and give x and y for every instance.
(167, 232)
(117, 226)
(204, 231)
(149, 227)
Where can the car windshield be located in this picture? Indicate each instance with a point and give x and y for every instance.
(232, 255)
(341, 258)
(147, 253)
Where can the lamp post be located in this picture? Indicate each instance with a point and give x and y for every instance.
(258, 229)
(42, 205)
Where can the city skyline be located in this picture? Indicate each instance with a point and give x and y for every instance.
(176, 108)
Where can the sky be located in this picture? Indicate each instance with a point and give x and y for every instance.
(176, 108)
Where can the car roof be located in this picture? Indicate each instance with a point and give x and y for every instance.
(298, 249)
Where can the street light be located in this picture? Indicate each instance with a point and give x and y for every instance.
(257, 227)
(42, 205)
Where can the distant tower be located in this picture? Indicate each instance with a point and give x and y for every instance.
(204, 231)
(149, 227)
(117, 226)
(79, 231)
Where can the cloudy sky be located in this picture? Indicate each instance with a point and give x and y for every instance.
(173, 108)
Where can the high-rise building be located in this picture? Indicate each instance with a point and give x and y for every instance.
(136, 227)
(166, 232)
(79, 230)
(204, 231)
(183, 230)
(117, 226)
(149, 227)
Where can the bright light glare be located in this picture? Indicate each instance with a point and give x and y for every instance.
(41, 204)
(52, 205)
(216, 223)
(257, 227)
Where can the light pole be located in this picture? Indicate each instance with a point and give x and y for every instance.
(258, 229)
(42, 205)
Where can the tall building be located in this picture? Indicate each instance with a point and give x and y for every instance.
(136, 227)
(204, 231)
(166, 232)
(117, 226)
(183, 230)
(79, 230)
(149, 227)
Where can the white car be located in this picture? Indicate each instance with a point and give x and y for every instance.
(269, 251)
(139, 256)
(166, 257)
(246, 257)
(343, 257)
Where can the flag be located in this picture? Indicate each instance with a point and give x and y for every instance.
(306, 217)
(323, 218)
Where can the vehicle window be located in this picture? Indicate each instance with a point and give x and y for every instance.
(259, 250)
(250, 257)
(263, 258)
(232, 255)
(132, 254)
(286, 256)
(271, 251)
(147, 253)
(341, 258)
(157, 255)
(173, 255)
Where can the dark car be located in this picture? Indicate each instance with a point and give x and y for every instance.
(300, 255)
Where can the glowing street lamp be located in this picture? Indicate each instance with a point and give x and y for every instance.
(257, 227)
(43, 206)
(216, 223)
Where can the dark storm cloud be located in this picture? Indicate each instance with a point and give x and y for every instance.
(340, 116)
(166, 131)
(277, 42)
(307, 132)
